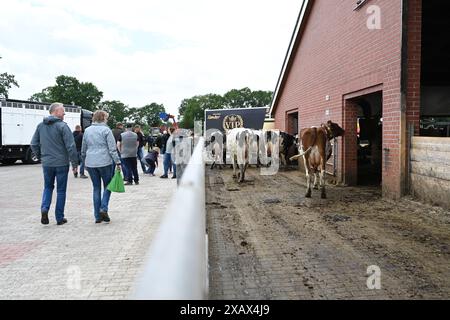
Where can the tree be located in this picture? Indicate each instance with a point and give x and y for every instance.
(43, 96)
(117, 110)
(238, 98)
(147, 116)
(89, 96)
(150, 114)
(6, 83)
(193, 109)
(261, 98)
(246, 98)
(189, 110)
(69, 90)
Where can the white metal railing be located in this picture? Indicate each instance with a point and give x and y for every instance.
(177, 263)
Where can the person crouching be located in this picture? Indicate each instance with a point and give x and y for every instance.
(151, 159)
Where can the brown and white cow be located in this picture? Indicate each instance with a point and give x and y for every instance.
(315, 148)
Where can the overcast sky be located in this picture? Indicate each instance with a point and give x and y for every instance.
(141, 51)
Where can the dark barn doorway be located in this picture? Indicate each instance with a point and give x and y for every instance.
(435, 69)
(369, 139)
(292, 125)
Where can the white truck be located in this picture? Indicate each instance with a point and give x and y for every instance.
(18, 122)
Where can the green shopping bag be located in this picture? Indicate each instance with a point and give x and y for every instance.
(116, 184)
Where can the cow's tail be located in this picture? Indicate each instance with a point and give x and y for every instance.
(301, 154)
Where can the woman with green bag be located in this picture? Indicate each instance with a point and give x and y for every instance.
(99, 152)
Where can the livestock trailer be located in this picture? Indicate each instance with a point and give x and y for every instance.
(18, 122)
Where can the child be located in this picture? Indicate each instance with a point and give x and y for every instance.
(151, 159)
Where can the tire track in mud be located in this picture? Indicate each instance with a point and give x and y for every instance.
(268, 242)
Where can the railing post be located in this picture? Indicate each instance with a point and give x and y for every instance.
(176, 266)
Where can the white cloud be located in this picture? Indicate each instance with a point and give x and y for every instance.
(147, 51)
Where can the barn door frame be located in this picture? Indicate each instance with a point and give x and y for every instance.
(349, 158)
(288, 114)
(332, 162)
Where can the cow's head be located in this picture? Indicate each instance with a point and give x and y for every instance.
(286, 140)
(334, 130)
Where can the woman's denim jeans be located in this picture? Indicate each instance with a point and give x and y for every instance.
(98, 175)
(167, 162)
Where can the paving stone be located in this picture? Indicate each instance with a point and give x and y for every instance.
(80, 259)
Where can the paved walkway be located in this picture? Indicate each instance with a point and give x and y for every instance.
(81, 259)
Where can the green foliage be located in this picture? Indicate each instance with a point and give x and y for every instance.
(117, 110)
(245, 98)
(6, 83)
(43, 96)
(69, 90)
(261, 99)
(238, 98)
(147, 116)
(193, 109)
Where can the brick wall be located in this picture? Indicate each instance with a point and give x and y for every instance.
(349, 147)
(414, 53)
(338, 56)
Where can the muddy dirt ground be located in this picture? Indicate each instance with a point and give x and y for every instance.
(267, 241)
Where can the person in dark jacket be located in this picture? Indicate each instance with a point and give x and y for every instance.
(78, 137)
(117, 131)
(150, 142)
(54, 145)
(164, 139)
(140, 151)
(151, 159)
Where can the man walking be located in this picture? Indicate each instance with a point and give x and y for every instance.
(128, 145)
(53, 143)
(78, 137)
(140, 151)
(117, 131)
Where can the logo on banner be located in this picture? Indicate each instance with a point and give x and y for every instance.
(233, 121)
(214, 116)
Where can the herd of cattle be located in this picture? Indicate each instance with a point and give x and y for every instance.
(246, 146)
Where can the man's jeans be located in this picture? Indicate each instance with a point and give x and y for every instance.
(81, 163)
(122, 164)
(140, 156)
(97, 175)
(167, 162)
(131, 164)
(50, 174)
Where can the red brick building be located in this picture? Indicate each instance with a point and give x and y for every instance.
(377, 68)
